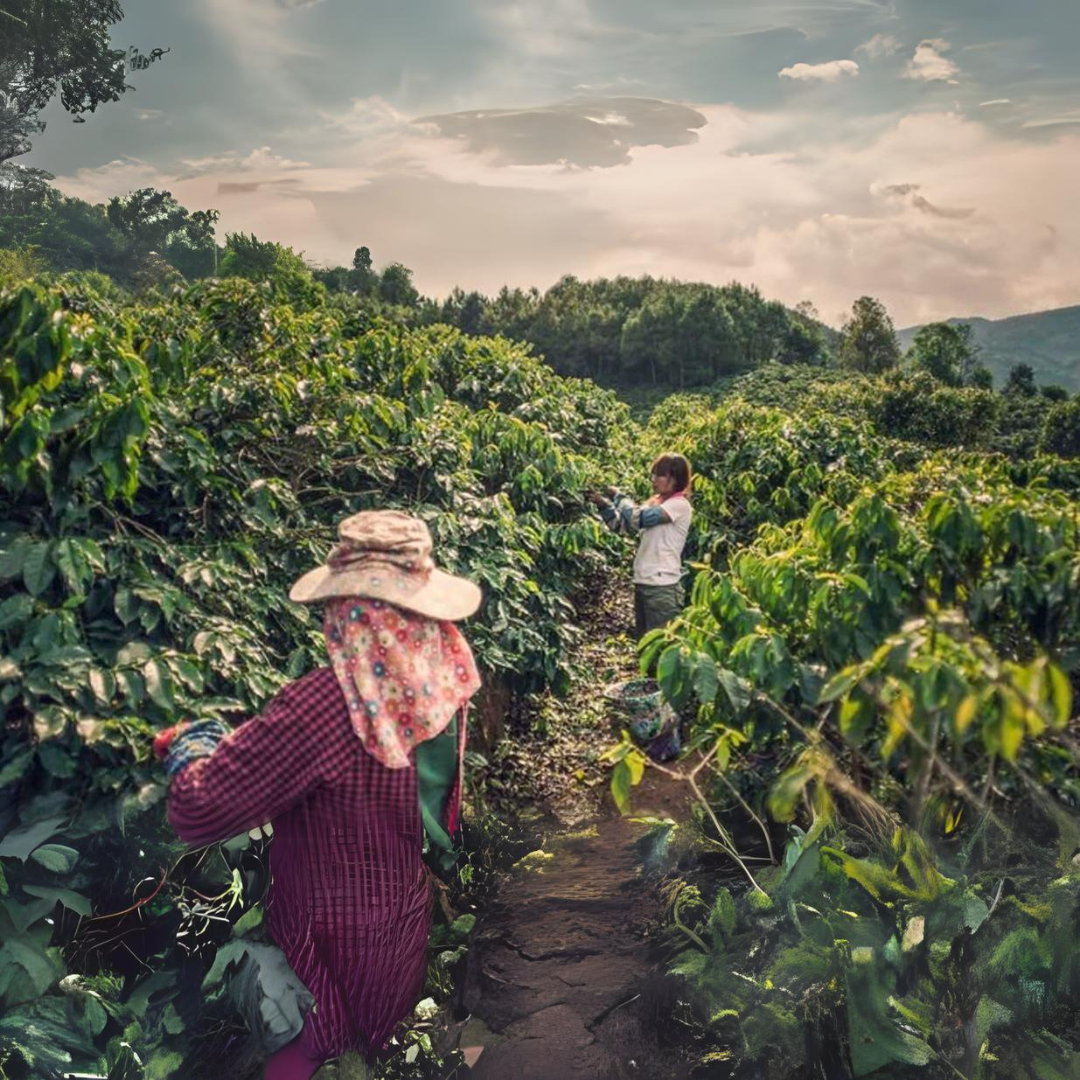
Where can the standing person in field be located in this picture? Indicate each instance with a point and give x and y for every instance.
(662, 524)
(358, 764)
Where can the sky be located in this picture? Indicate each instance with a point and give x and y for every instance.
(925, 152)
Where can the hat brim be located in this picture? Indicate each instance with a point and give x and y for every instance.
(443, 596)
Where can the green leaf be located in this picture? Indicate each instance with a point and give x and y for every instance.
(739, 691)
(73, 901)
(876, 1037)
(668, 672)
(124, 1063)
(839, 685)
(126, 605)
(159, 684)
(89, 1015)
(856, 717)
(251, 919)
(103, 685)
(162, 1065)
(170, 1020)
(15, 610)
(38, 568)
(18, 843)
(46, 1031)
(626, 774)
(26, 954)
(461, 928)
(788, 790)
(263, 986)
(73, 566)
(189, 674)
(59, 858)
(706, 679)
(620, 787)
(58, 761)
(1060, 694)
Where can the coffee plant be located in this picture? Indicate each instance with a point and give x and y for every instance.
(879, 649)
(168, 469)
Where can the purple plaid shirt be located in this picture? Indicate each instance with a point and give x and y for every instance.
(349, 904)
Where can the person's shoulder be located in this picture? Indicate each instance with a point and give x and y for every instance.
(678, 506)
(315, 694)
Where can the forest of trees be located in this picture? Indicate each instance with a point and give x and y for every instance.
(621, 332)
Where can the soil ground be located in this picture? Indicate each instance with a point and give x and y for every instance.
(560, 968)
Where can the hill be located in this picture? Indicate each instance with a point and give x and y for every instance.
(1047, 340)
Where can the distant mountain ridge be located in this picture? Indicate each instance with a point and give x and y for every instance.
(1047, 340)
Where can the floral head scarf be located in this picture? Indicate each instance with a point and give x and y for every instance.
(403, 675)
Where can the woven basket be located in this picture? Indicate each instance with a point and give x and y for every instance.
(641, 707)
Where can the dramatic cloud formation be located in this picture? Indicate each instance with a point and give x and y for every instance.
(987, 229)
(929, 64)
(477, 142)
(583, 132)
(880, 45)
(827, 72)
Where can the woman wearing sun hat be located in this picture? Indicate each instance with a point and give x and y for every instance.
(358, 764)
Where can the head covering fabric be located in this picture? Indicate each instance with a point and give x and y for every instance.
(403, 675)
(386, 555)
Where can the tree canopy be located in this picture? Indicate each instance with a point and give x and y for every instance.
(868, 341)
(949, 353)
(50, 45)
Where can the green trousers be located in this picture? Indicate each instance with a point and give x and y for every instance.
(655, 606)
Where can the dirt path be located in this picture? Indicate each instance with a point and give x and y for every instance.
(559, 978)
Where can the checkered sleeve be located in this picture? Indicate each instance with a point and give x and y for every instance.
(266, 765)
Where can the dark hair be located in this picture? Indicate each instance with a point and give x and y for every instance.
(675, 466)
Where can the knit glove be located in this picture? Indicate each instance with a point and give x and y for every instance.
(194, 740)
(163, 739)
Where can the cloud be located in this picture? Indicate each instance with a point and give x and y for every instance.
(259, 160)
(919, 202)
(996, 101)
(927, 207)
(929, 65)
(827, 72)
(249, 187)
(875, 208)
(1053, 121)
(583, 132)
(897, 189)
(116, 177)
(880, 45)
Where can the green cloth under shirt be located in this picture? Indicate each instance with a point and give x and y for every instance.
(436, 767)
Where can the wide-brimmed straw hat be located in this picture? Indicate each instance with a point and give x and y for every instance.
(386, 555)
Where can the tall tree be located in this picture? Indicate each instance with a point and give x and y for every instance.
(258, 260)
(396, 286)
(363, 278)
(948, 351)
(46, 45)
(1021, 381)
(868, 341)
(155, 222)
